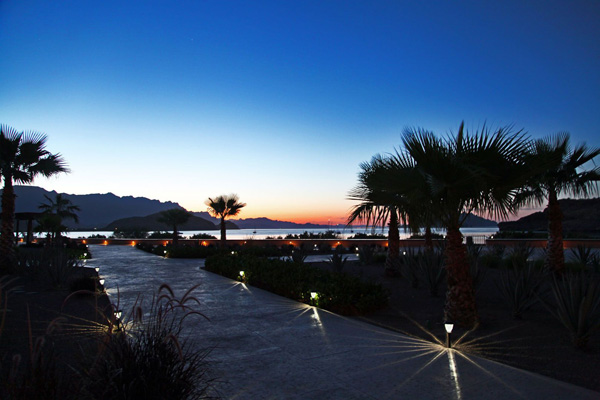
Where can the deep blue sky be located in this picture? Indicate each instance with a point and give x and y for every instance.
(280, 101)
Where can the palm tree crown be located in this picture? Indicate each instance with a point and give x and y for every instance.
(378, 205)
(60, 206)
(23, 156)
(55, 211)
(223, 207)
(174, 218)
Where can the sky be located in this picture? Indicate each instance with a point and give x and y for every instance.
(281, 101)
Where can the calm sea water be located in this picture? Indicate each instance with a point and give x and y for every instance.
(247, 234)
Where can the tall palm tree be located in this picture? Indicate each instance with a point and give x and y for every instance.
(63, 208)
(560, 172)
(466, 173)
(377, 205)
(23, 156)
(174, 218)
(223, 207)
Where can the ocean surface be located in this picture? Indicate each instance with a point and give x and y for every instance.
(249, 234)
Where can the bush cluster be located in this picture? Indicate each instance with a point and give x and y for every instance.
(311, 235)
(339, 293)
(197, 251)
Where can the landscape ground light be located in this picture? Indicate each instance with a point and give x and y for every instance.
(449, 326)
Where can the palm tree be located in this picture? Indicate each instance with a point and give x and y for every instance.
(466, 173)
(409, 184)
(560, 165)
(223, 207)
(377, 206)
(63, 208)
(52, 224)
(23, 156)
(173, 218)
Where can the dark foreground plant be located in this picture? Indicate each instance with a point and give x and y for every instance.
(38, 375)
(431, 264)
(577, 305)
(366, 254)
(337, 262)
(520, 287)
(298, 256)
(582, 255)
(145, 358)
(410, 267)
(55, 267)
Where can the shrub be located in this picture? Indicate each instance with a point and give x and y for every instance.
(339, 293)
(379, 257)
(410, 267)
(577, 305)
(5, 290)
(261, 251)
(366, 254)
(298, 256)
(310, 235)
(431, 265)
(86, 284)
(583, 255)
(474, 253)
(520, 254)
(202, 236)
(191, 251)
(162, 235)
(38, 376)
(368, 236)
(53, 266)
(520, 287)
(337, 262)
(596, 263)
(181, 251)
(136, 233)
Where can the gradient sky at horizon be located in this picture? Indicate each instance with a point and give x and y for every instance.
(280, 102)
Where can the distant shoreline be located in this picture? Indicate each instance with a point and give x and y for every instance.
(264, 233)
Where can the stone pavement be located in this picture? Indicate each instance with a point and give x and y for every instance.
(268, 347)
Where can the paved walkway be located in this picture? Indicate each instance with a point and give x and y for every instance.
(269, 347)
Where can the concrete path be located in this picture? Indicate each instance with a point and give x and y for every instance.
(269, 347)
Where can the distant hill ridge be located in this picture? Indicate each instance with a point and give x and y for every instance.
(579, 216)
(263, 223)
(97, 210)
(100, 211)
(152, 223)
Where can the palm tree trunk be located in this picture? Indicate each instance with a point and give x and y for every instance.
(175, 235)
(460, 298)
(555, 255)
(223, 233)
(7, 246)
(428, 239)
(392, 262)
(29, 230)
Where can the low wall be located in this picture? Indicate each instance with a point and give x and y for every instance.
(567, 243)
(347, 243)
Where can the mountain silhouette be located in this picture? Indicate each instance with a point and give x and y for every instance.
(579, 216)
(151, 223)
(97, 210)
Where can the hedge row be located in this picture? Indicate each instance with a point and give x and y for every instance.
(339, 293)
